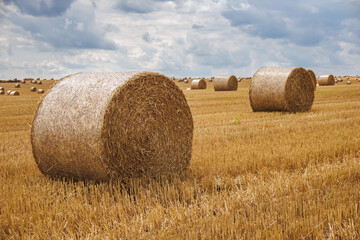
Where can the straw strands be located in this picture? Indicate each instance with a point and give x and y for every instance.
(198, 84)
(102, 126)
(313, 77)
(225, 83)
(281, 89)
(327, 80)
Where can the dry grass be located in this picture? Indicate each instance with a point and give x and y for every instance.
(260, 175)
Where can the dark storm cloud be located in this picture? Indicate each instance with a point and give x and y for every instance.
(49, 8)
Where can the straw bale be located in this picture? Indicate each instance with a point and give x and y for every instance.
(8, 92)
(14, 93)
(348, 82)
(17, 85)
(33, 89)
(102, 126)
(2, 89)
(186, 81)
(281, 89)
(23, 81)
(313, 77)
(38, 79)
(39, 82)
(198, 84)
(225, 83)
(211, 79)
(327, 80)
(40, 91)
(2, 92)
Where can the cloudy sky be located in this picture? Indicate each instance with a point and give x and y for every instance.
(54, 38)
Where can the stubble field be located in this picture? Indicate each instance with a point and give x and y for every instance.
(264, 175)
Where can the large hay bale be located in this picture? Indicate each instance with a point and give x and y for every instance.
(225, 83)
(198, 84)
(313, 78)
(33, 89)
(40, 91)
(17, 85)
(327, 80)
(14, 93)
(101, 126)
(281, 89)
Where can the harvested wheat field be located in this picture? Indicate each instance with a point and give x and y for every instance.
(252, 175)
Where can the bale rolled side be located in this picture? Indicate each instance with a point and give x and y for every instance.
(102, 126)
(198, 84)
(281, 89)
(33, 89)
(225, 83)
(313, 77)
(17, 85)
(327, 80)
(14, 93)
(40, 91)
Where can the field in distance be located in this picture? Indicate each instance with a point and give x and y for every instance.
(252, 176)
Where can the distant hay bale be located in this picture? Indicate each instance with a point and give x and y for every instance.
(33, 89)
(39, 82)
(281, 89)
(313, 78)
(17, 85)
(38, 79)
(23, 81)
(2, 89)
(40, 91)
(8, 92)
(2, 92)
(198, 84)
(225, 83)
(211, 79)
(326, 80)
(348, 82)
(14, 93)
(102, 126)
(240, 79)
(186, 81)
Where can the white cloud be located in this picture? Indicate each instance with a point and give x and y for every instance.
(181, 38)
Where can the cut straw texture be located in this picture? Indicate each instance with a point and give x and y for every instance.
(326, 80)
(313, 77)
(225, 83)
(198, 84)
(281, 89)
(102, 126)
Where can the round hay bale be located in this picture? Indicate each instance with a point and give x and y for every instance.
(198, 84)
(33, 89)
(8, 92)
(186, 81)
(38, 79)
(39, 82)
(14, 93)
(313, 77)
(40, 91)
(281, 89)
(225, 83)
(326, 80)
(2, 89)
(17, 85)
(2, 92)
(348, 82)
(23, 81)
(211, 79)
(102, 126)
